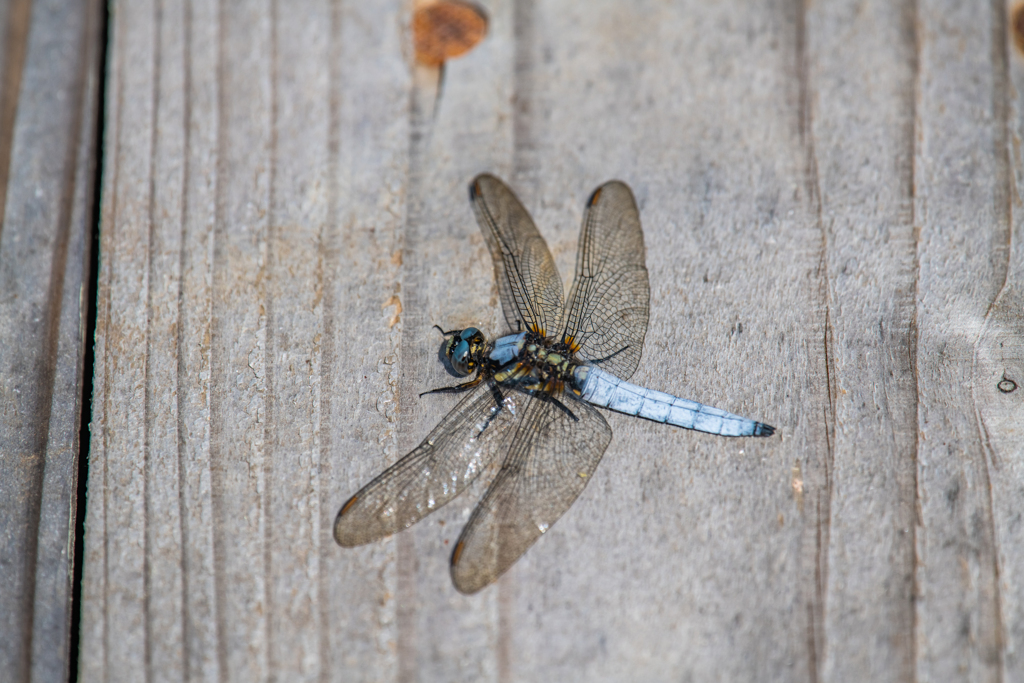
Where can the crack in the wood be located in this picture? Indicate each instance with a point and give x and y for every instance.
(96, 61)
(816, 609)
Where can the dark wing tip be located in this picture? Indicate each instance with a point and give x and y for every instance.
(612, 185)
(761, 429)
(475, 190)
(344, 534)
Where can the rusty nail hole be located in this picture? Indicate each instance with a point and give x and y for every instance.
(446, 29)
(1017, 25)
(1006, 385)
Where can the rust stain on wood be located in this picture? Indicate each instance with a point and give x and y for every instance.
(1017, 25)
(445, 30)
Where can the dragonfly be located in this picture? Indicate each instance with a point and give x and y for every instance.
(529, 415)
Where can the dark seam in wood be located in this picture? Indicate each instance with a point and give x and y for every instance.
(216, 465)
(17, 27)
(266, 282)
(147, 566)
(97, 35)
(181, 369)
(816, 611)
(328, 304)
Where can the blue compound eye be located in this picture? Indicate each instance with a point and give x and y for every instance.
(459, 350)
(460, 358)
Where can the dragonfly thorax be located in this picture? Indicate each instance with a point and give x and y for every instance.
(533, 363)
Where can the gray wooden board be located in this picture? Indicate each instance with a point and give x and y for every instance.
(829, 197)
(48, 124)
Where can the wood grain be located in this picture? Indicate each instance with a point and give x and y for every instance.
(50, 69)
(829, 197)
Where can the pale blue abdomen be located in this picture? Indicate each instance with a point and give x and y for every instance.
(604, 389)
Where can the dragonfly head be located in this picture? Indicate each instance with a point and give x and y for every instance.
(464, 349)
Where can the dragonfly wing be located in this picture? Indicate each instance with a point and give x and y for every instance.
(551, 459)
(606, 312)
(531, 290)
(458, 449)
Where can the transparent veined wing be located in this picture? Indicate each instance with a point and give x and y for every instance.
(459, 448)
(552, 457)
(529, 284)
(608, 305)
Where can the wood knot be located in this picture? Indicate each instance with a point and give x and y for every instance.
(1006, 385)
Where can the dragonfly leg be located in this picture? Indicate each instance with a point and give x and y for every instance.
(449, 332)
(499, 400)
(457, 388)
(544, 396)
(607, 358)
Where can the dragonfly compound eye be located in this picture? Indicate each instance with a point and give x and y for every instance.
(460, 351)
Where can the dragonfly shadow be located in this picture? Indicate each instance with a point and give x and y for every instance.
(443, 358)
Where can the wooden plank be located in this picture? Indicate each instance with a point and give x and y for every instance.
(47, 128)
(861, 70)
(964, 175)
(285, 219)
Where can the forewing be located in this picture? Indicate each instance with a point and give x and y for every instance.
(452, 455)
(606, 313)
(551, 459)
(530, 288)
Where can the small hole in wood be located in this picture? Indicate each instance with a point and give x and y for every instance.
(1017, 25)
(446, 29)
(1006, 385)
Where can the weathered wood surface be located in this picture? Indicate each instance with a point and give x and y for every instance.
(830, 199)
(49, 71)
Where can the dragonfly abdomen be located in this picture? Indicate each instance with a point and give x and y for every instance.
(604, 389)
